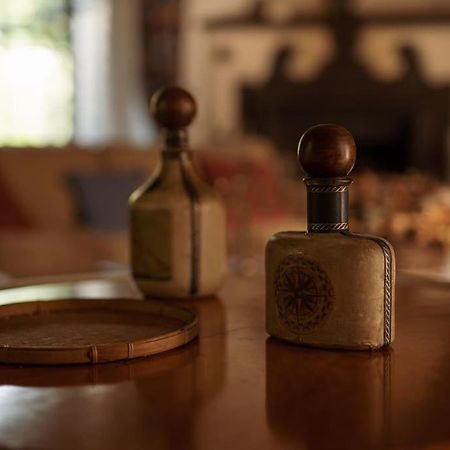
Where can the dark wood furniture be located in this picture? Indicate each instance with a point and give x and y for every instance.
(237, 388)
(398, 124)
(160, 23)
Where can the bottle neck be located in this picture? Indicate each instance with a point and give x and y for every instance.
(175, 156)
(175, 142)
(327, 204)
(175, 162)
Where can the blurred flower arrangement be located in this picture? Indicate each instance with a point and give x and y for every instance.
(409, 206)
(261, 194)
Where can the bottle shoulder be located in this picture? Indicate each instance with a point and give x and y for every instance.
(173, 174)
(345, 243)
(175, 184)
(382, 243)
(146, 194)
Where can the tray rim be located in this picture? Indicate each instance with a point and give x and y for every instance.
(98, 353)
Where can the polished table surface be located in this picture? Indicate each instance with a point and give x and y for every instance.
(236, 388)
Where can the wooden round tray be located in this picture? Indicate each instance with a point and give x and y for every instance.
(91, 331)
(163, 364)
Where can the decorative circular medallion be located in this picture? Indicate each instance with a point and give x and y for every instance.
(304, 294)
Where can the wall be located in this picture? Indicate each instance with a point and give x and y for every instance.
(216, 81)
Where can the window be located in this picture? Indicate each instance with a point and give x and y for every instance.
(36, 73)
(71, 71)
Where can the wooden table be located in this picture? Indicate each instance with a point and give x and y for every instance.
(236, 388)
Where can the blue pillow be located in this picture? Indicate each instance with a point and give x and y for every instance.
(102, 197)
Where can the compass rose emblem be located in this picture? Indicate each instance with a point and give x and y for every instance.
(303, 292)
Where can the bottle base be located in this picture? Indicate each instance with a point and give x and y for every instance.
(169, 291)
(357, 346)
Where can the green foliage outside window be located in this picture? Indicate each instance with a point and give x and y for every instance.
(36, 73)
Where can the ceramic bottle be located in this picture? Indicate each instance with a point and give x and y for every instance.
(177, 221)
(327, 287)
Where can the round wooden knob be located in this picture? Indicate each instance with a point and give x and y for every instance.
(327, 151)
(173, 107)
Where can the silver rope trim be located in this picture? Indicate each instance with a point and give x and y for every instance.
(388, 284)
(328, 226)
(318, 189)
(387, 291)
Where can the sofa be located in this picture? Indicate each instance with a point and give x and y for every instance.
(59, 208)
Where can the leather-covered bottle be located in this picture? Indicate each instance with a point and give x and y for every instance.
(328, 287)
(177, 221)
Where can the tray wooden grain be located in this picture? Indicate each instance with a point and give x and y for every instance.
(91, 331)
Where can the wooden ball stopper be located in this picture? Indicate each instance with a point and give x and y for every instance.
(327, 151)
(173, 107)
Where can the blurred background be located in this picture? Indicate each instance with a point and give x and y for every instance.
(76, 137)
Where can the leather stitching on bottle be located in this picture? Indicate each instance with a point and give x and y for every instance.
(195, 230)
(94, 354)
